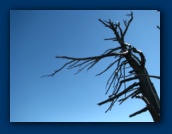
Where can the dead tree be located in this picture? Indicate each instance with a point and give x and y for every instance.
(129, 66)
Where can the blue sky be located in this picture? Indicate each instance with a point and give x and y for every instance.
(37, 36)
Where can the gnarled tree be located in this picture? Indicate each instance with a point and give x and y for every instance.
(129, 66)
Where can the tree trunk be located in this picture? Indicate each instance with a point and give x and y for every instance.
(147, 88)
(148, 91)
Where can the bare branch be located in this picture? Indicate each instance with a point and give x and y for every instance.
(113, 39)
(78, 65)
(128, 75)
(134, 93)
(113, 81)
(73, 64)
(139, 112)
(120, 94)
(124, 75)
(115, 77)
(111, 105)
(93, 64)
(56, 71)
(119, 83)
(127, 24)
(104, 23)
(110, 65)
(112, 26)
(84, 67)
(111, 50)
(112, 75)
(120, 29)
(143, 60)
(153, 76)
(86, 58)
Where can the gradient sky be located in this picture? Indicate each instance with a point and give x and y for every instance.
(37, 36)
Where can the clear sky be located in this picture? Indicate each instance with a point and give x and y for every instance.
(37, 36)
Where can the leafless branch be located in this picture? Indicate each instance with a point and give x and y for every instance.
(136, 94)
(56, 71)
(128, 24)
(111, 105)
(113, 39)
(139, 112)
(125, 98)
(111, 50)
(143, 60)
(118, 25)
(108, 67)
(112, 97)
(153, 76)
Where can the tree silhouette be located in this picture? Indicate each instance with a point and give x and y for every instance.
(130, 67)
